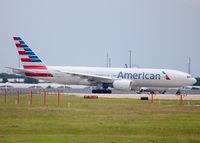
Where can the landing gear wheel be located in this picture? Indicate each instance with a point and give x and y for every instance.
(109, 91)
(101, 91)
(94, 91)
(152, 92)
(178, 92)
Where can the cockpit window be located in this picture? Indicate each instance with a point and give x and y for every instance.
(189, 76)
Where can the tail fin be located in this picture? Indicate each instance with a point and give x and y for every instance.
(29, 59)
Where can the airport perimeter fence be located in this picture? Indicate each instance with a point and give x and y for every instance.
(48, 96)
(36, 96)
(25, 91)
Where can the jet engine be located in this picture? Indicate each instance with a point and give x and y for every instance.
(123, 84)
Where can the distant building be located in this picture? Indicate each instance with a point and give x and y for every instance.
(16, 80)
(13, 80)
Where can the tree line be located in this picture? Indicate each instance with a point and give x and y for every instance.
(6, 76)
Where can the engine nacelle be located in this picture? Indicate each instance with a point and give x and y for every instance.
(123, 84)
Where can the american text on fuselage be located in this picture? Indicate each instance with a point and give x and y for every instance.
(143, 75)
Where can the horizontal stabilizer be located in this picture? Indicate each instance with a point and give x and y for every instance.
(20, 71)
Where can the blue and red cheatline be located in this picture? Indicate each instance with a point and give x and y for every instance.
(39, 74)
(35, 67)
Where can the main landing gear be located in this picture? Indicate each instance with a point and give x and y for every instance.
(102, 88)
(102, 91)
(178, 92)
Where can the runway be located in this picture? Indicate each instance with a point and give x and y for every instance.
(138, 96)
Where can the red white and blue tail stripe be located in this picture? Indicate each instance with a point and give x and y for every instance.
(30, 60)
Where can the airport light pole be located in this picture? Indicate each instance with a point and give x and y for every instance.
(189, 66)
(107, 57)
(130, 54)
(109, 61)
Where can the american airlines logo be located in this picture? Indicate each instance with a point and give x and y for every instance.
(166, 76)
(143, 75)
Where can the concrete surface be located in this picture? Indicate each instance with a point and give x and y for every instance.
(138, 96)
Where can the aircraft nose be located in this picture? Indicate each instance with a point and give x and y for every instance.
(193, 81)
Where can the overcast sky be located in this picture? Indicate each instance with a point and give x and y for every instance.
(161, 33)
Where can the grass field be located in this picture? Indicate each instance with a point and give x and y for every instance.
(79, 120)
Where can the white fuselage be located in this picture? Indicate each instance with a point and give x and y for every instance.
(141, 77)
(118, 78)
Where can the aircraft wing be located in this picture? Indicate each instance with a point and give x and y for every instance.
(90, 77)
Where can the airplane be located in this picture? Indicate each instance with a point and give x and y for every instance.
(103, 79)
